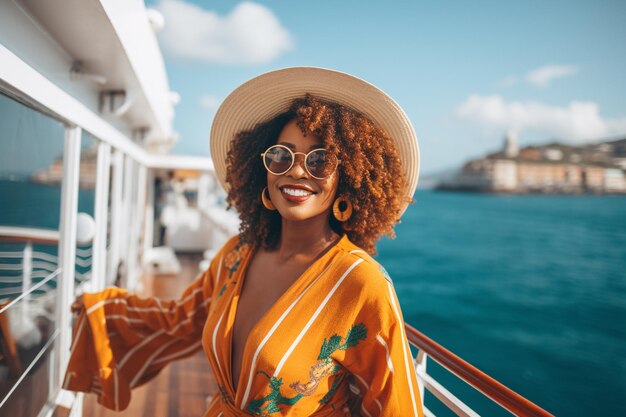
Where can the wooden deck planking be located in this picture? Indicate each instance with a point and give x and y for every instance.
(182, 388)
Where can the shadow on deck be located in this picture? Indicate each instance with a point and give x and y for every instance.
(182, 388)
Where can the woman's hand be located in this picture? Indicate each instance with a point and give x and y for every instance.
(77, 305)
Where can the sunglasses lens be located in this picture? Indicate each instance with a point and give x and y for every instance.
(321, 163)
(278, 160)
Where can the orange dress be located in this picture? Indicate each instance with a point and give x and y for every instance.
(336, 334)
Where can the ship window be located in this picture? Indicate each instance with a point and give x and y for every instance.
(31, 168)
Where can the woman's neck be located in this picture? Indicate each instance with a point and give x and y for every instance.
(307, 237)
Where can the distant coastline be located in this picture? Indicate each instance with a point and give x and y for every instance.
(555, 168)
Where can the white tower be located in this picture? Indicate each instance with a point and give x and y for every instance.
(511, 149)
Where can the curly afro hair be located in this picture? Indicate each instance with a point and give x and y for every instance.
(370, 172)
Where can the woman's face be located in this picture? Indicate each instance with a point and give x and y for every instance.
(318, 194)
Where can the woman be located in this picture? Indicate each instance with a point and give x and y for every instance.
(295, 317)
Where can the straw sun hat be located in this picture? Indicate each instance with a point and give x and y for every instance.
(271, 94)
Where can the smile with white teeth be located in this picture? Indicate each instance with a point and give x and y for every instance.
(297, 192)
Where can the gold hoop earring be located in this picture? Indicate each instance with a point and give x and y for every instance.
(342, 209)
(267, 203)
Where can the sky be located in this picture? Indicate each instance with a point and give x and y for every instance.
(466, 73)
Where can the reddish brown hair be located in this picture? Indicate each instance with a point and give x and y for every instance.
(370, 174)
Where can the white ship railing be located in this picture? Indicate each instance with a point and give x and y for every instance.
(17, 278)
(29, 280)
(492, 389)
(34, 265)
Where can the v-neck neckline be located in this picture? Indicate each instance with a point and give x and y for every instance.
(234, 306)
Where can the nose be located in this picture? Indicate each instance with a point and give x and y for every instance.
(298, 169)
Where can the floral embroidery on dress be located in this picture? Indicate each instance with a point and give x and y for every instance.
(325, 366)
(273, 399)
(232, 260)
(317, 372)
(234, 257)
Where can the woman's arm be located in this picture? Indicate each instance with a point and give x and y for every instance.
(122, 341)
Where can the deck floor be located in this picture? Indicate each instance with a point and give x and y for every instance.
(182, 388)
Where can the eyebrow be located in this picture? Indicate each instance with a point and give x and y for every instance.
(292, 146)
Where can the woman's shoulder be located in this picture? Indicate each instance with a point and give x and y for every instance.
(365, 271)
(367, 284)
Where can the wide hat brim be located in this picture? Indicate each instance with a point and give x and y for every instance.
(272, 93)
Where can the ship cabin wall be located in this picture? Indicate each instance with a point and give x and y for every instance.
(104, 55)
(24, 36)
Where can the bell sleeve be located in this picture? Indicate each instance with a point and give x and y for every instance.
(122, 341)
(381, 363)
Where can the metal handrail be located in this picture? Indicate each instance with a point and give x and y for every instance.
(29, 234)
(497, 392)
(35, 264)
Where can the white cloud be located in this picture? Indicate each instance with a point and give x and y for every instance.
(508, 81)
(543, 76)
(209, 102)
(576, 122)
(250, 34)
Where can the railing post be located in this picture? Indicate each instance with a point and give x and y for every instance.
(27, 274)
(101, 214)
(148, 232)
(137, 202)
(67, 245)
(128, 195)
(420, 367)
(116, 214)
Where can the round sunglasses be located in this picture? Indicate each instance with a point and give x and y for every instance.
(319, 163)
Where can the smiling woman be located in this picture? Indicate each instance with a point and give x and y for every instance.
(369, 175)
(294, 315)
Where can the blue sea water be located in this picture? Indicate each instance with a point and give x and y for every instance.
(529, 289)
(25, 203)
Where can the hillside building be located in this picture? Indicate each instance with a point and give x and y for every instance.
(555, 168)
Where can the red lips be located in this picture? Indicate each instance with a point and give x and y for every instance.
(296, 198)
